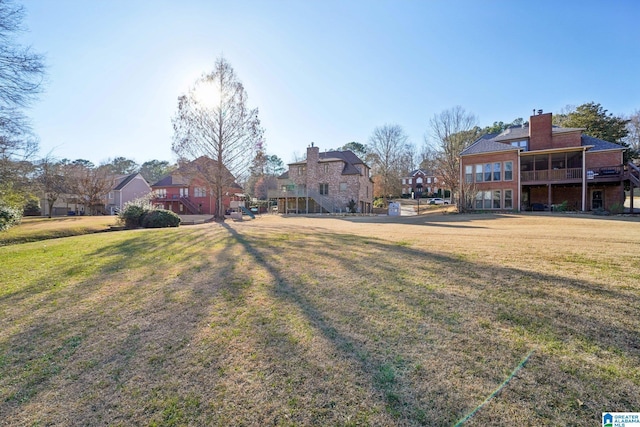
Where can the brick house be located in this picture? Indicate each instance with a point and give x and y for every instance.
(185, 192)
(421, 182)
(538, 166)
(325, 183)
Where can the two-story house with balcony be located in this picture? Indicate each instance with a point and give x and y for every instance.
(185, 191)
(538, 166)
(328, 182)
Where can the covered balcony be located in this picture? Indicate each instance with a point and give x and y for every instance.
(565, 167)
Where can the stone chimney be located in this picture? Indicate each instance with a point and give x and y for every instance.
(313, 157)
(540, 131)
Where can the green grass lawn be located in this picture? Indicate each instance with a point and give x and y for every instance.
(299, 321)
(39, 228)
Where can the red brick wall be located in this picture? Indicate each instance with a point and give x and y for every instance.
(540, 132)
(606, 158)
(567, 139)
(495, 185)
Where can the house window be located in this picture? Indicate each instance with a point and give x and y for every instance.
(302, 170)
(161, 193)
(404, 181)
(110, 195)
(343, 186)
(326, 167)
(478, 173)
(508, 171)
(200, 192)
(520, 144)
(487, 172)
(508, 199)
(468, 174)
(429, 180)
(487, 199)
(324, 189)
(496, 199)
(419, 181)
(478, 204)
(184, 192)
(497, 171)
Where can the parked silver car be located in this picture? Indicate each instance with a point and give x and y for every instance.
(438, 201)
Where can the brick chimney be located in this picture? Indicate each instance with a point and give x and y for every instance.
(540, 131)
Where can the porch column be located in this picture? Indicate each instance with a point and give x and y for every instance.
(584, 179)
(549, 196)
(519, 194)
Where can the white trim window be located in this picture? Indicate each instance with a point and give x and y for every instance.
(508, 171)
(479, 173)
(468, 174)
(508, 199)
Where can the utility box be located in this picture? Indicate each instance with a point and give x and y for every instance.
(394, 209)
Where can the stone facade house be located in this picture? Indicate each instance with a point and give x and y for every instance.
(329, 182)
(540, 166)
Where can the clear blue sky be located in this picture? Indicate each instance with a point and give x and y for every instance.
(324, 71)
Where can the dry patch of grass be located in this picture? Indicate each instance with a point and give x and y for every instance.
(299, 321)
(36, 228)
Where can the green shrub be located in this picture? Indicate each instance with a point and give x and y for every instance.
(9, 217)
(132, 212)
(32, 208)
(616, 208)
(160, 218)
(562, 207)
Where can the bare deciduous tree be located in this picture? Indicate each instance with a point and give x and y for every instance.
(51, 181)
(90, 185)
(388, 148)
(21, 73)
(452, 131)
(213, 120)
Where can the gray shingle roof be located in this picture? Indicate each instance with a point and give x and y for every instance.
(600, 144)
(490, 143)
(125, 181)
(513, 133)
(348, 157)
(487, 144)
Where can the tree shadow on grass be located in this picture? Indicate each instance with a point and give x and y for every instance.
(394, 335)
(470, 317)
